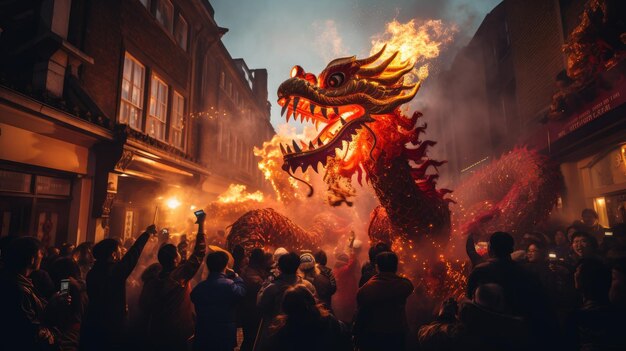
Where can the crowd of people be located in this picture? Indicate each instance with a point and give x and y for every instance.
(564, 291)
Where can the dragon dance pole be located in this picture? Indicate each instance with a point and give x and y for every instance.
(156, 212)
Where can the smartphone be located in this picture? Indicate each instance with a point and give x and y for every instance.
(65, 286)
(608, 233)
(552, 256)
(199, 213)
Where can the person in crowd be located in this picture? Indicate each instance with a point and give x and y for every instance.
(381, 322)
(215, 300)
(305, 325)
(591, 225)
(346, 275)
(326, 284)
(44, 287)
(584, 245)
(522, 291)
(617, 295)
(83, 255)
(596, 325)
(446, 332)
(239, 255)
(490, 322)
(253, 275)
(64, 317)
(274, 271)
(66, 249)
(104, 324)
(270, 296)
(165, 302)
(470, 250)
(21, 310)
(561, 245)
(182, 247)
(369, 268)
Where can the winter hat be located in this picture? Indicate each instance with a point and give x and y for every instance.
(279, 252)
(307, 261)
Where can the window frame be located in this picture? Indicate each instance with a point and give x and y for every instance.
(132, 86)
(164, 107)
(169, 27)
(176, 99)
(182, 42)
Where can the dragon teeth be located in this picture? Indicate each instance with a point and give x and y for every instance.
(324, 112)
(289, 150)
(296, 147)
(296, 100)
(319, 142)
(343, 121)
(311, 146)
(282, 111)
(282, 149)
(336, 110)
(312, 108)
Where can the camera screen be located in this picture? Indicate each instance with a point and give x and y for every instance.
(199, 212)
(65, 285)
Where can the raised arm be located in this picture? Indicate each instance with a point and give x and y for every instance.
(126, 265)
(470, 249)
(186, 271)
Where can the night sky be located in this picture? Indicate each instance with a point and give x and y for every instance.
(278, 34)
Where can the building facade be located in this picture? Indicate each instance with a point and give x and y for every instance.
(111, 114)
(503, 88)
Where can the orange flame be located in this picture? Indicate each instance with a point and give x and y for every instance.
(417, 43)
(237, 193)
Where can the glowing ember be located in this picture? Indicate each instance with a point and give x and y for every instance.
(237, 193)
(415, 42)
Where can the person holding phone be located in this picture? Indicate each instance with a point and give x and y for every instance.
(104, 325)
(164, 299)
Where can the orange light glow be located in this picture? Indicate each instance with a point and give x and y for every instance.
(172, 203)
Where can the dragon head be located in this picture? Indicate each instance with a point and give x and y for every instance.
(347, 95)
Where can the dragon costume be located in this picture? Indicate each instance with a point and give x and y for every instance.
(356, 105)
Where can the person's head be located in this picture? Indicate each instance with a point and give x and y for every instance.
(387, 262)
(216, 261)
(83, 253)
(289, 263)
(64, 268)
(535, 252)
(257, 257)
(24, 255)
(107, 250)
(239, 253)
(320, 258)
(491, 297)
(168, 256)
(560, 238)
(501, 245)
(299, 303)
(593, 279)
(589, 217)
(583, 244)
(53, 252)
(307, 262)
(376, 249)
(66, 249)
(278, 253)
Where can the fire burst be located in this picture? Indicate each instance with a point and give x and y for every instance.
(237, 193)
(415, 43)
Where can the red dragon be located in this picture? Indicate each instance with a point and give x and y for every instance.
(356, 103)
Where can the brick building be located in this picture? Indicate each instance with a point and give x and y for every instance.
(110, 109)
(498, 94)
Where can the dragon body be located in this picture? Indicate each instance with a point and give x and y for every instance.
(364, 135)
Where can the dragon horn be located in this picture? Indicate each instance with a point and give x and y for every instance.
(395, 102)
(394, 77)
(374, 71)
(367, 61)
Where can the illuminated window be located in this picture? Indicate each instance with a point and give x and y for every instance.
(599, 204)
(180, 32)
(155, 123)
(177, 136)
(165, 14)
(131, 104)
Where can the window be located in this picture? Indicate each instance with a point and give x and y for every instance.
(222, 80)
(131, 104)
(165, 14)
(155, 126)
(180, 32)
(177, 137)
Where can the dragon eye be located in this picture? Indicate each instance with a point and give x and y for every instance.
(335, 79)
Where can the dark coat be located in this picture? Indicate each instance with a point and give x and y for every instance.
(166, 304)
(325, 285)
(381, 304)
(105, 320)
(21, 311)
(324, 334)
(215, 301)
